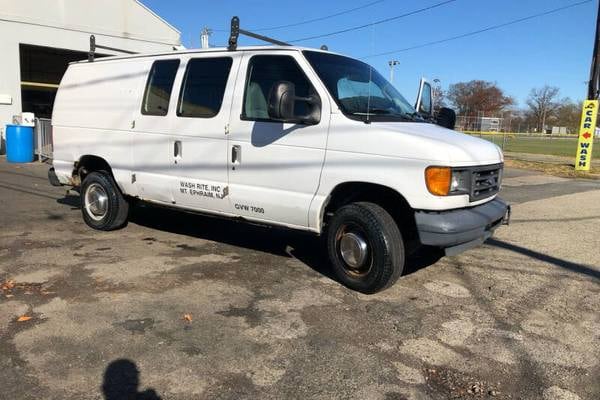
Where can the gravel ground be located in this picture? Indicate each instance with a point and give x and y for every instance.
(178, 306)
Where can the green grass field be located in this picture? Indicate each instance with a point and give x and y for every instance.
(556, 146)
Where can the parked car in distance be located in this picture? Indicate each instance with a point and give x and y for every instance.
(281, 135)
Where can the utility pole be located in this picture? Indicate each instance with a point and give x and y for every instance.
(392, 64)
(204, 35)
(594, 84)
(587, 129)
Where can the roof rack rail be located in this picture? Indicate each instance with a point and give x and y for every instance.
(236, 31)
(94, 46)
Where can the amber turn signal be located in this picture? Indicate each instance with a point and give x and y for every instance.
(438, 180)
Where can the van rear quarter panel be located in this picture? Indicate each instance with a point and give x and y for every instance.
(93, 114)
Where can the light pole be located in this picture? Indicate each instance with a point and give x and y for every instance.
(204, 36)
(392, 64)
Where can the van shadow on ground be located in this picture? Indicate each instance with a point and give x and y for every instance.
(308, 248)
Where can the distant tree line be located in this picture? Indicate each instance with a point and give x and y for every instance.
(544, 109)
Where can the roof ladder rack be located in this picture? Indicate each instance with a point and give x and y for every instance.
(94, 46)
(236, 32)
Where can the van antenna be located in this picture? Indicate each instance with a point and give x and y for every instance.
(236, 31)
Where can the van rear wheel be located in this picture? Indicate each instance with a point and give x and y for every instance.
(102, 204)
(365, 247)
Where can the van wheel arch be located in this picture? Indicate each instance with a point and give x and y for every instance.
(384, 196)
(88, 164)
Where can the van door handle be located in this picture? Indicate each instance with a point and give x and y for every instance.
(177, 150)
(236, 155)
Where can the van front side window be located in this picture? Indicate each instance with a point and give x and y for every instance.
(203, 87)
(159, 86)
(263, 73)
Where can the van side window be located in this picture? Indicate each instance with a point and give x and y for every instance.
(158, 88)
(203, 87)
(263, 72)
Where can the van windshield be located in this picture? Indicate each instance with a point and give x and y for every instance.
(359, 90)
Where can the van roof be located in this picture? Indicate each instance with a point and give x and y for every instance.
(200, 51)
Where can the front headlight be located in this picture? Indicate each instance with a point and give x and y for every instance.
(461, 182)
(444, 181)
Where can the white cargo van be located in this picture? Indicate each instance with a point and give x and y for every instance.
(301, 138)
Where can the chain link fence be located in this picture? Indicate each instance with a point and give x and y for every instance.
(556, 145)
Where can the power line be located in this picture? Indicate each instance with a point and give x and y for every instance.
(473, 33)
(310, 21)
(382, 21)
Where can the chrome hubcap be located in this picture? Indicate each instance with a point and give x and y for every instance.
(354, 250)
(96, 201)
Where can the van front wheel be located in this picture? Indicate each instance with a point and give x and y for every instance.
(103, 205)
(365, 247)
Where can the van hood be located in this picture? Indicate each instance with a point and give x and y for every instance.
(434, 143)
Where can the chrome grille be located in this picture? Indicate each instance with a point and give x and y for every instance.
(485, 181)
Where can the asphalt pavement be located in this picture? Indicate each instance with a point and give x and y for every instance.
(181, 306)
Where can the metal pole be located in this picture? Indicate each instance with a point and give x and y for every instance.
(594, 84)
(392, 64)
(204, 37)
(92, 52)
(39, 141)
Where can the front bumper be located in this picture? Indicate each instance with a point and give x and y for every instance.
(459, 230)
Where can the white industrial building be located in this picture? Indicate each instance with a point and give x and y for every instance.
(38, 39)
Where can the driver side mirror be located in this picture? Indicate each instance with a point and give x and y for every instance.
(446, 117)
(282, 105)
(424, 104)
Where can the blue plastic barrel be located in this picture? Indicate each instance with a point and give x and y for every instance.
(19, 143)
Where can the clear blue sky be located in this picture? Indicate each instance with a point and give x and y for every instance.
(554, 49)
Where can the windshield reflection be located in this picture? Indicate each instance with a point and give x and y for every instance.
(359, 90)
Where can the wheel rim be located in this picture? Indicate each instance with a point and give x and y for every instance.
(96, 201)
(354, 250)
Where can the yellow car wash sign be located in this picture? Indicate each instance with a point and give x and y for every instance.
(586, 135)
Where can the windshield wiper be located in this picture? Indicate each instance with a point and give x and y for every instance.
(418, 117)
(405, 116)
(374, 116)
(373, 111)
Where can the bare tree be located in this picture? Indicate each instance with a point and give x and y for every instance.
(478, 96)
(569, 114)
(543, 104)
(518, 121)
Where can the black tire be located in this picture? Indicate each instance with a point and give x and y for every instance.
(384, 262)
(113, 212)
